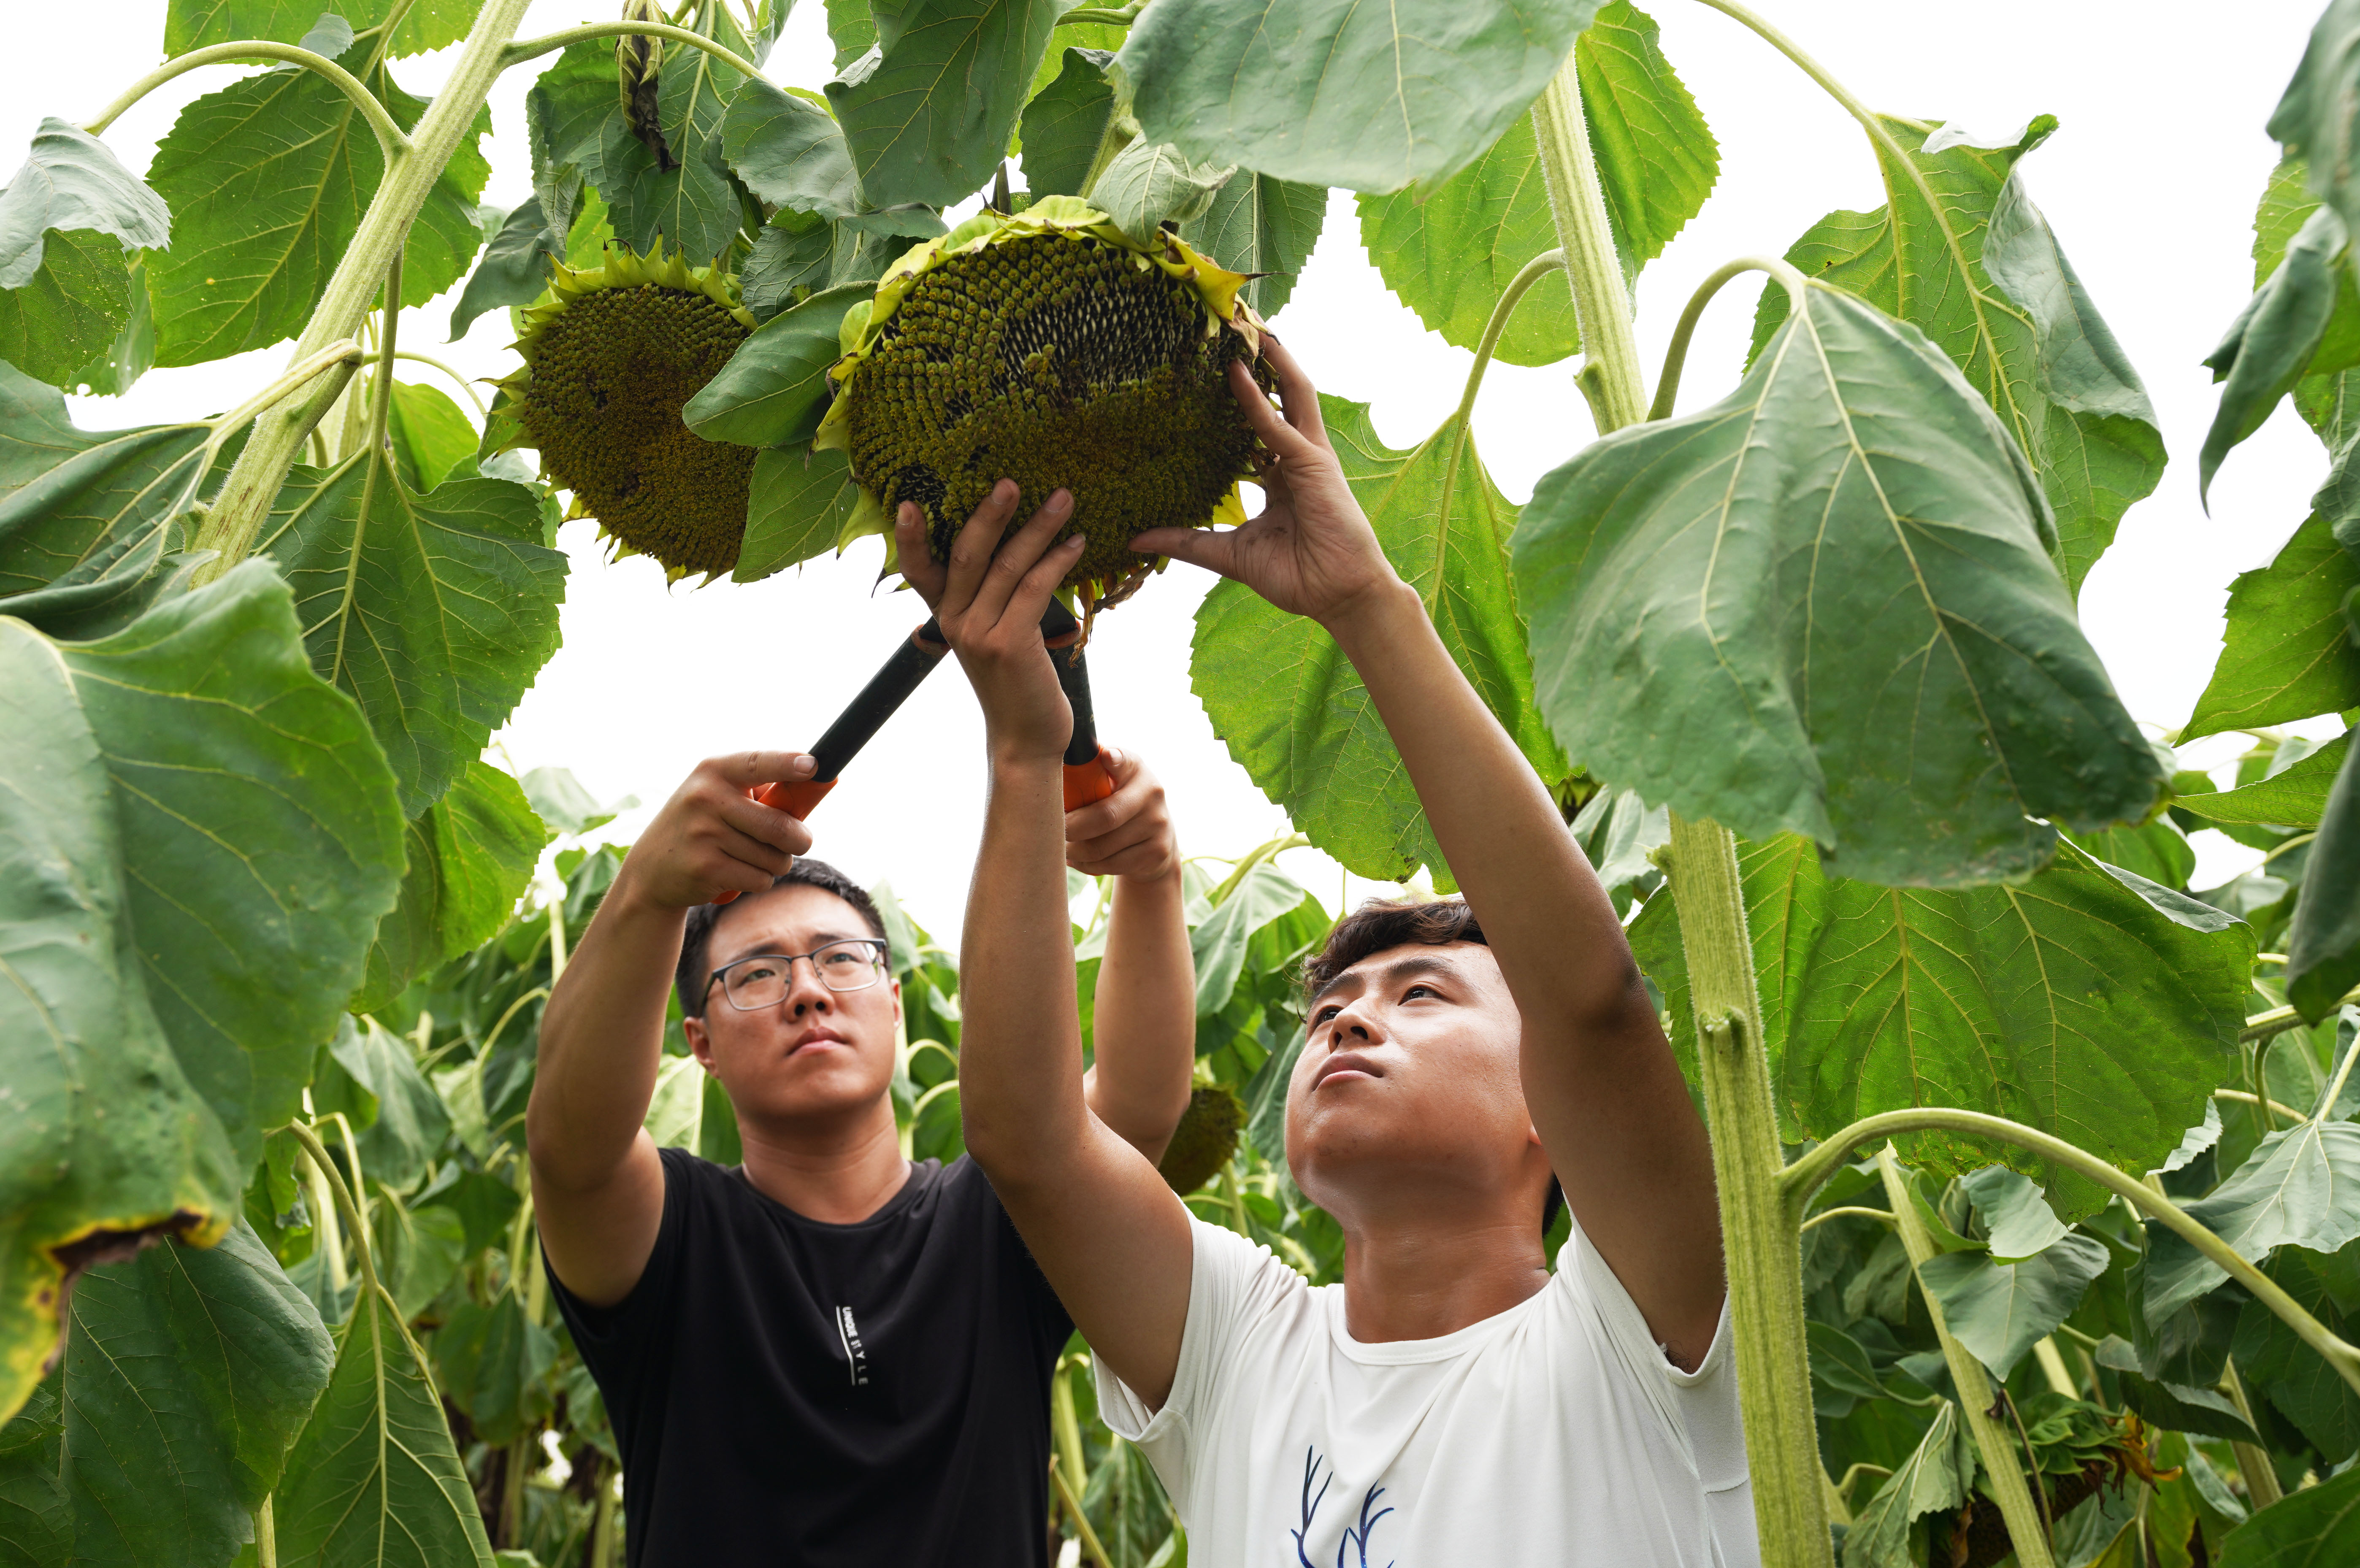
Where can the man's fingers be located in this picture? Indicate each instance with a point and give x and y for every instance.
(1295, 391)
(1002, 584)
(748, 770)
(766, 825)
(971, 551)
(1276, 431)
(916, 557)
(747, 850)
(1110, 846)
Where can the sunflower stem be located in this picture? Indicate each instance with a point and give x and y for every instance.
(390, 137)
(245, 500)
(532, 49)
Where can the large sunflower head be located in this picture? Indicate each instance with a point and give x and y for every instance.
(610, 359)
(1050, 348)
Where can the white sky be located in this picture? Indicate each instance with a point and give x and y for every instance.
(2149, 183)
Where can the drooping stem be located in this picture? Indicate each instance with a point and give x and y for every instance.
(239, 511)
(1761, 1233)
(1803, 1178)
(1531, 272)
(357, 1228)
(2003, 1474)
(534, 49)
(390, 137)
(1675, 357)
(465, 384)
(1610, 377)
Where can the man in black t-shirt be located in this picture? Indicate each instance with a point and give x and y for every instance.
(828, 1354)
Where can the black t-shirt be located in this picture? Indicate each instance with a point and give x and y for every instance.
(793, 1394)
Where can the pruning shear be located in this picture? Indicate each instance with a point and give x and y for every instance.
(1086, 778)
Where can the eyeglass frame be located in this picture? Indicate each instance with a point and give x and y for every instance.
(876, 952)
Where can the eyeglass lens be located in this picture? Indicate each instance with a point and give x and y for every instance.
(762, 981)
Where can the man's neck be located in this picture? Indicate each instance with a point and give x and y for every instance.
(835, 1173)
(1426, 1274)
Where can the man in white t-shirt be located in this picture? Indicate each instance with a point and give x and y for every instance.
(1452, 1401)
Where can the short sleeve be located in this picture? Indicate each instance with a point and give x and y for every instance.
(613, 1339)
(1699, 1409)
(1232, 1284)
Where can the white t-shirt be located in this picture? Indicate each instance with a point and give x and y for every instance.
(1556, 1434)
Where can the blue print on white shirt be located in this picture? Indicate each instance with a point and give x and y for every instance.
(1354, 1538)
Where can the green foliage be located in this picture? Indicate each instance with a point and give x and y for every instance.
(1968, 259)
(2286, 654)
(774, 389)
(1151, 183)
(790, 152)
(1258, 224)
(2323, 942)
(1066, 123)
(1411, 93)
(433, 611)
(428, 435)
(425, 25)
(2079, 1002)
(71, 221)
(469, 856)
(1910, 712)
(914, 137)
(374, 1479)
(2314, 117)
(2274, 342)
(1936, 1477)
(2296, 797)
(266, 181)
(799, 504)
(1448, 251)
(2312, 1529)
(1290, 706)
(85, 518)
(192, 1369)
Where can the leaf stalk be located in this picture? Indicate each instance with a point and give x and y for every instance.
(390, 139)
(1675, 357)
(2026, 1530)
(1804, 1176)
(465, 384)
(534, 49)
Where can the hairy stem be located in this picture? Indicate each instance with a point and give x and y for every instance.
(1761, 1235)
(1803, 1178)
(534, 49)
(390, 137)
(1610, 374)
(243, 504)
(2003, 1474)
(1675, 357)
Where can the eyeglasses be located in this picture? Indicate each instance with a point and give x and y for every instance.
(762, 981)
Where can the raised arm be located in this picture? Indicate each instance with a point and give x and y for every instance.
(1112, 1237)
(1146, 1004)
(597, 1184)
(1604, 1091)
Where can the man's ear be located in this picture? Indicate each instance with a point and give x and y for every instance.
(898, 1014)
(700, 1045)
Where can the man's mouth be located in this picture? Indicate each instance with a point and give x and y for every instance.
(820, 1036)
(1345, 1064)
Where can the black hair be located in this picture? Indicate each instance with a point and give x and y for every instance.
(691, 977)
(1384, 923)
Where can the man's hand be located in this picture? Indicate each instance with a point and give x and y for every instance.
(1129, 833)
(988, 601)
(711, 835)
(1311, 551)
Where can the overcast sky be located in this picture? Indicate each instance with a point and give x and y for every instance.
(2149, 183)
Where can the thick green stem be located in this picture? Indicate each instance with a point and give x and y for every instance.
(390, 139)
(532, 49)
(2003, 1472)
(266, 1537)
(243, 504)
(1803, 1178)
(1610, 377)
(1761, 1233)
(601, 1527)
(1070, 1499)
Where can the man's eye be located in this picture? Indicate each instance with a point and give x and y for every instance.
(763, 971)
(1327, 1013)
(1420, 990)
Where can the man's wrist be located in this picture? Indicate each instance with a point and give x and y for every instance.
(1373, 612)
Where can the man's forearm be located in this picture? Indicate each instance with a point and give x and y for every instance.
(1020, 1058)
(1496, 825)
(602, 1039)
(1146, 1011)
